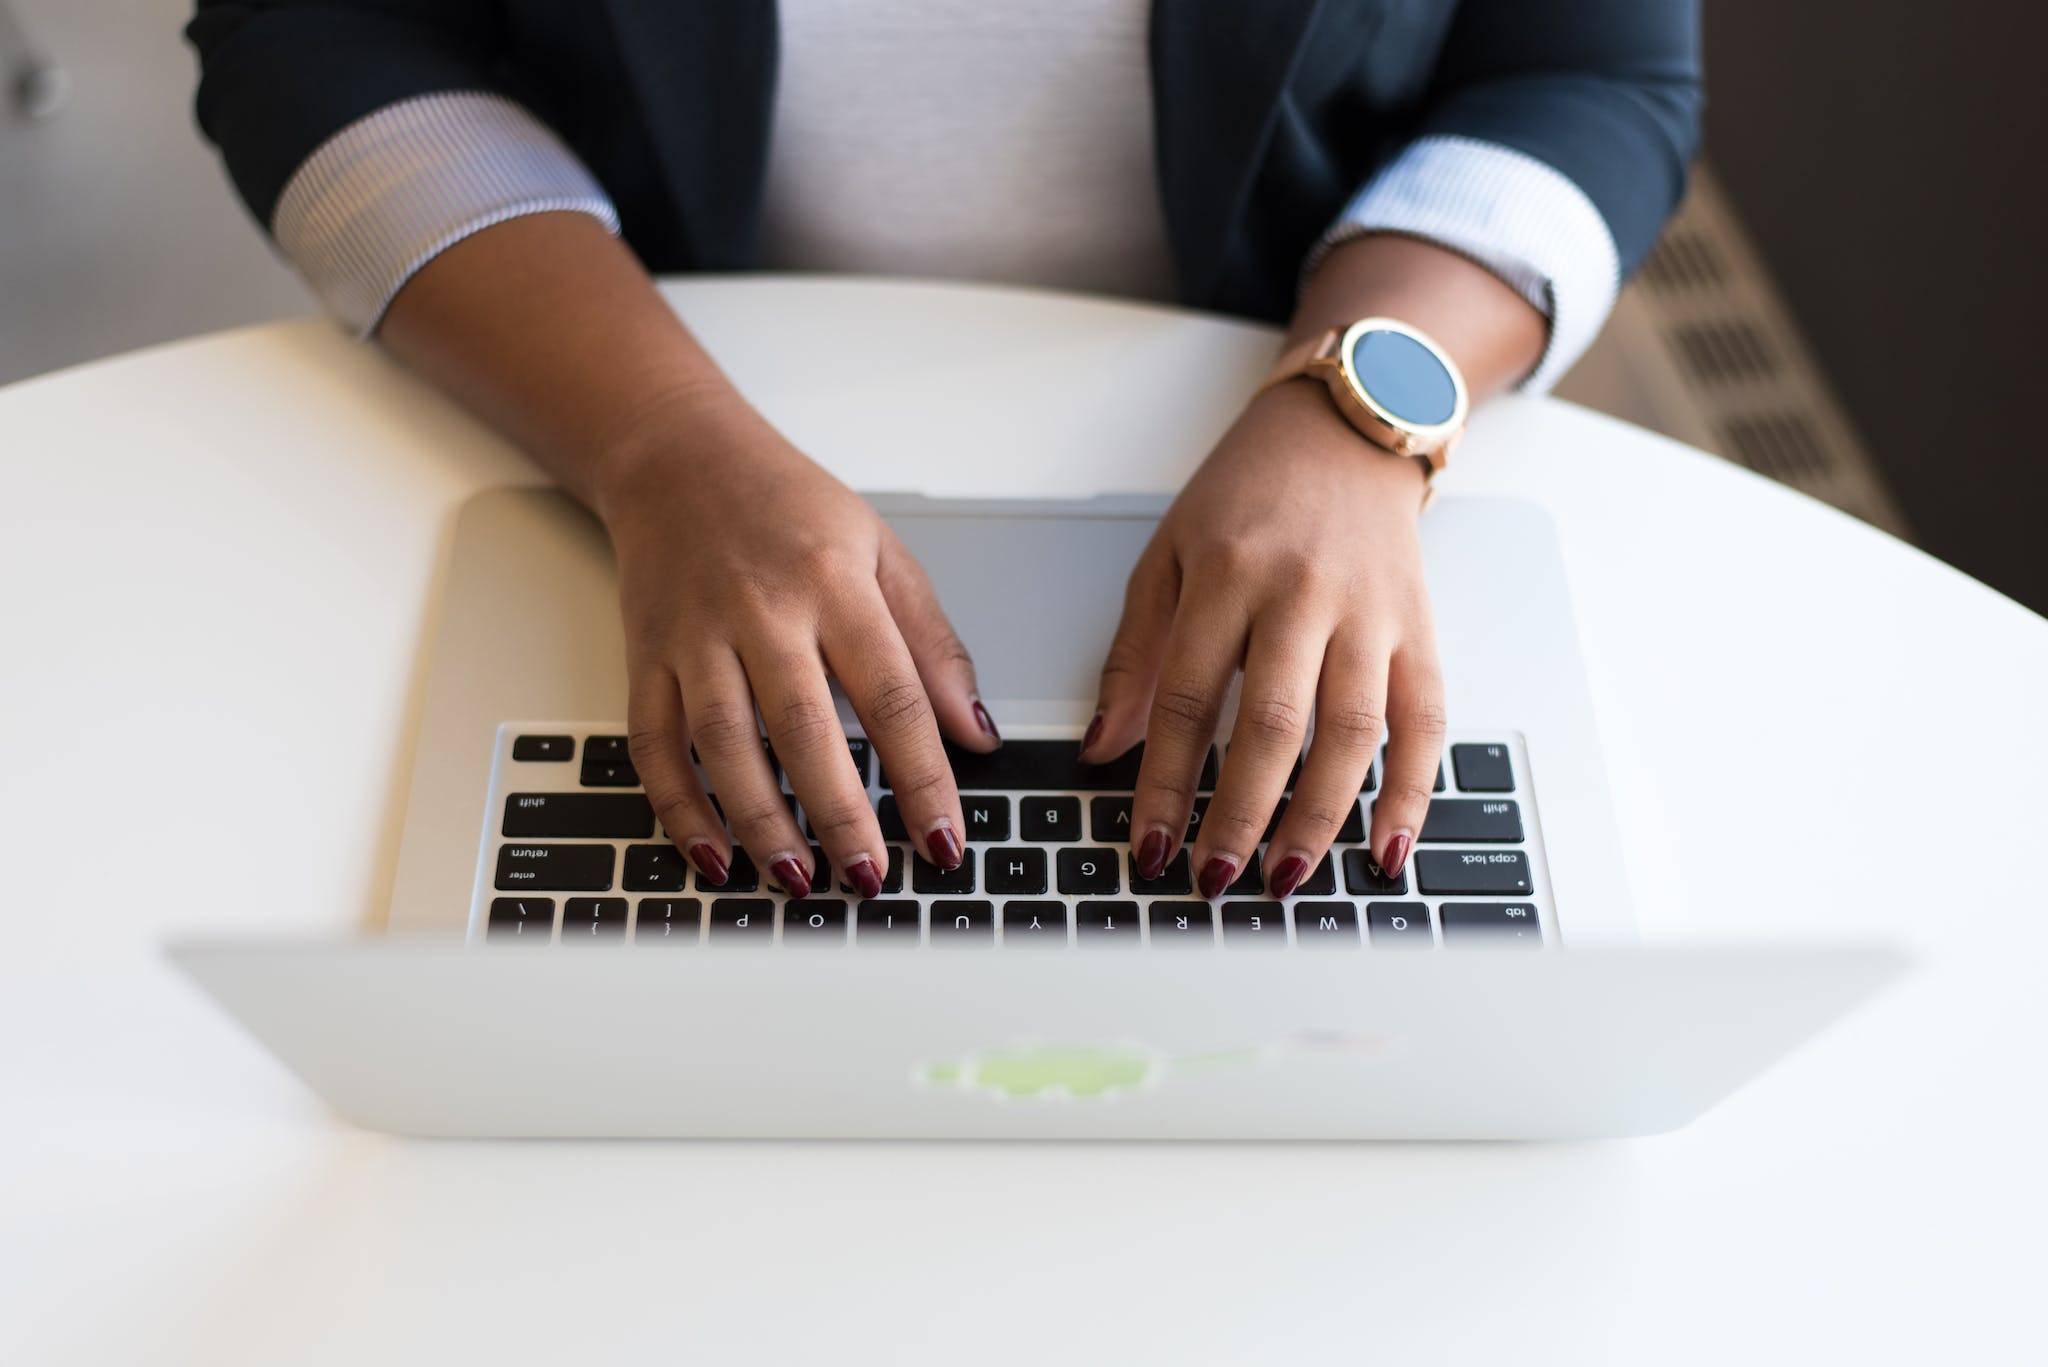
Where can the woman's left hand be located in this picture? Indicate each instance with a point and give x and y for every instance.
(1293, 552)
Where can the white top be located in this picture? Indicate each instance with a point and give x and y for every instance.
(221, 557)
(944, 138)
(963, 139)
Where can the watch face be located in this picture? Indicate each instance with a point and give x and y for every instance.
(1404, 377)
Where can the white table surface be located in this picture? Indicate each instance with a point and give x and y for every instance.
(217, 560)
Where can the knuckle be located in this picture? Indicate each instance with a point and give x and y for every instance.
(1353, 727)
(923, 780)
(805, 723)
(1234, 827)
(1409, 793)
(1424, 717)
(760, 815)
(1123, 661)
(649, 745)
(838, 818)
(1184, 712)
(724, 730)
(898, 703)
(1270, 721)
(1317, 816)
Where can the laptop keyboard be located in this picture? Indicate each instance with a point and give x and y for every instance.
(573, 855)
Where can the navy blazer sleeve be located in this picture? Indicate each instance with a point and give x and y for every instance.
(279, 77)
(1607, 91)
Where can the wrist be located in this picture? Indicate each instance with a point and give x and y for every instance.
(1302, 409)
(682, 433)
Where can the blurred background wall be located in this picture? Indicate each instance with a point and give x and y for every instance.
(1851, 301)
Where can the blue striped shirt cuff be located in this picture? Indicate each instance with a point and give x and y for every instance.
(396, 188)
(1518, 217)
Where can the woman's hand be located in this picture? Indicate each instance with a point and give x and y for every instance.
(747, 575)
(1292, 552)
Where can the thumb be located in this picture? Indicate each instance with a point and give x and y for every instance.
(1131, 669)
(943, 664)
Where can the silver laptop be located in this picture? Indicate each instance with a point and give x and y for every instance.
(555, 967)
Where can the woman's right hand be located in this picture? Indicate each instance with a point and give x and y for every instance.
(747, 576)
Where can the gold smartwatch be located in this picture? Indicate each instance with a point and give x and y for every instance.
(1390, 381)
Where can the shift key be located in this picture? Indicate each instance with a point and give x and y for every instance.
(1489, 872)
(555, 868)
(579, 816)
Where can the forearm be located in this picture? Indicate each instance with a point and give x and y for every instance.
(1493, 333)
(548, 329)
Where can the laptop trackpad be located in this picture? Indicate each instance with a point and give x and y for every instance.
(1036, 595)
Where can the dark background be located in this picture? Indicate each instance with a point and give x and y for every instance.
(1888, 158)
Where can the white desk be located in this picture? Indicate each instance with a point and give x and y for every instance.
(217, 560)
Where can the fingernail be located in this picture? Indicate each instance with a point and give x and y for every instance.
(1216, 876)
(1152, 854)
(986, 722)
(1287, 877)
(1093, 734)
(945, 846)
(705, 857)
(865, 876)
(793, 876)
(1397, 853)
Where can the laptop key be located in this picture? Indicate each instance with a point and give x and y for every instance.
(1486, 872)
(988, 816)
(892, 881)
(1250, 880)
(740, 875)
(521, 920)
(863, 757)
(1352, 832)
(1363, 876)
(1109, 820)
(1171, 882)
(1326, 925)
(1259, 923)
(1511, 925)
(1399, 925)
(891, 818)
(1099, 924)
(1050, 766)
(1483, 768)
(1049, 818)
(928, 877)
(1488, 820)
(888, 921)
(671, 921)
(543, 749)
(609, 775)
(1038, 925)
(743, 919)
(594, 920)
(578, 816)
(1321, 881)
(957, 923)
(653, 868)
(1182, 924)
(1088, 871)
(1014, 869)
(814, 921)
(555, 868)
(606, 750)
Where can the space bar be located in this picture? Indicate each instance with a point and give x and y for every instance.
(1048, 766)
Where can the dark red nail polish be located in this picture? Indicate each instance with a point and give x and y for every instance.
(1287, 877)
(795, 879)
(1216, 876)
(1094, 733)
(1396, 855)
(1152, 854)
(986, 722)
(945, 847)
(707, 861)
(865, 876)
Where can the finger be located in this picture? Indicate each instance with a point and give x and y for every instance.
(1131, 668)
(941, 659)
(1415, 745)
(788, 676)
(1350, 719)
(720, 706)
(1201, 656)
(875, 669)
(1281, 664)
(659, 742)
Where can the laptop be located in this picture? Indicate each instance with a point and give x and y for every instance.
(553, 967)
